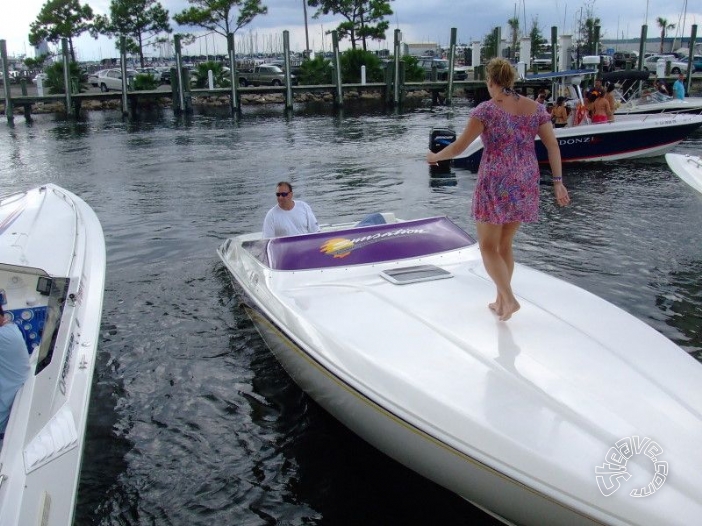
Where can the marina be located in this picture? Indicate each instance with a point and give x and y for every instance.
(192, 420)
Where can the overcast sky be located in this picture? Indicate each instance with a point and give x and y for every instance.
(418, 20)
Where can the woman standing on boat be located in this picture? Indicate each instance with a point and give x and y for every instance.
(507, 191)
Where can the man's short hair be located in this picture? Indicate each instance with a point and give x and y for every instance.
(285, 183)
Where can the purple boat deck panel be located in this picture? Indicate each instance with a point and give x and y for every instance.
(361, 245)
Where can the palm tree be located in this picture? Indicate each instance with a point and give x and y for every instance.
(665, 26)
(514, 30)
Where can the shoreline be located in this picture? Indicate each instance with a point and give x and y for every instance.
(222, 101)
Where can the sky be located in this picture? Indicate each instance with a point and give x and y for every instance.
(418, 21)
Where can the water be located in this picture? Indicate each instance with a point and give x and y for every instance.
(192, 421)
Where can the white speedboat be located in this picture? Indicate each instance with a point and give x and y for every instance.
(572, 412)
(656, 102)
(627, 137)
(52, 275)
(686, 167)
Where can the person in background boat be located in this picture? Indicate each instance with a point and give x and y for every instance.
(559, 115)
(14, 366)
(507, 191)
(661, 87)
(597, 88)
(679, 87)
(599, 107)
(541, 96)
(289, 217)
(613, 103)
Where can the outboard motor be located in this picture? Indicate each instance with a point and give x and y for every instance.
(440, 138)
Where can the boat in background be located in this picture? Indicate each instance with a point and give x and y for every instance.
(628, 137)
(562, 415)
(686, 167)
(52, 277)
(657, 102)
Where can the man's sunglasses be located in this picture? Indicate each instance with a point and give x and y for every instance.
(282, 194)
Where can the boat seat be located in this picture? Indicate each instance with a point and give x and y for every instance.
(30, 321)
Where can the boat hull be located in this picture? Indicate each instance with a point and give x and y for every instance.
(493, 491)
(629, 137)
(688, 168)
(52, 272)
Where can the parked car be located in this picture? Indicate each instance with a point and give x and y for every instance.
(542, 61)
(696, 63)
(429, 64)
(607, 63)
(264, 74)
(677, 65)
(152, 72)
(624, 59)
(111, 79)
(93, 78)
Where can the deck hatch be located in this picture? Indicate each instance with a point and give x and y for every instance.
(415, 274)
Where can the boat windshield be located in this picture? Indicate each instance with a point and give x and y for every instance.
(361, 245)
(655, 97)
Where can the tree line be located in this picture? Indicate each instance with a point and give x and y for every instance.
(146, 23)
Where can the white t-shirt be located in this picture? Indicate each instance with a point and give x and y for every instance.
(299, 220)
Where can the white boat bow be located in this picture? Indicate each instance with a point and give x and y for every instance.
(516, 417)
(688, 168)
(52, 274)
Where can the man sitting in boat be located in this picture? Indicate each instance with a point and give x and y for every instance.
(289, 217)
(14, 366)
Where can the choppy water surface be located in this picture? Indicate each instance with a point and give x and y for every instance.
(192, 421)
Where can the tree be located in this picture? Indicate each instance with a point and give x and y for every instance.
(665, 26)
(537, 38)
(140, 21)
(60, 19)
(218, 15)
(364, 18)
(315, 71)
(351, 62)
(514, 35)
(55, 81)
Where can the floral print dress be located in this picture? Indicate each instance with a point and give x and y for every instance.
(508, 177)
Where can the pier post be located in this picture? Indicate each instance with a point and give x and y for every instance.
(288, 78)
(179, 73)
(123, 69)
(642, 48)
(452, 56)
(9, 113)
(337, 69)
(66, 74)
(554, 47)
(234, 100)
(396, 76)
(688, 77)
(27, 107)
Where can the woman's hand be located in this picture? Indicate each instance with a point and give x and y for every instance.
(431, 159)
(561, 192)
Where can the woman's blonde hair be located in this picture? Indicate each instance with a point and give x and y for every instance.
(501, 72)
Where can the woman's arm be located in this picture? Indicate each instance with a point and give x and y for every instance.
(548, 138)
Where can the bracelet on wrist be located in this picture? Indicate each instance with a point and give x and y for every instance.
(557, 179)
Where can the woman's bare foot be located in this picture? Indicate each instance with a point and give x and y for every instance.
(509, 309)
(496, 307)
